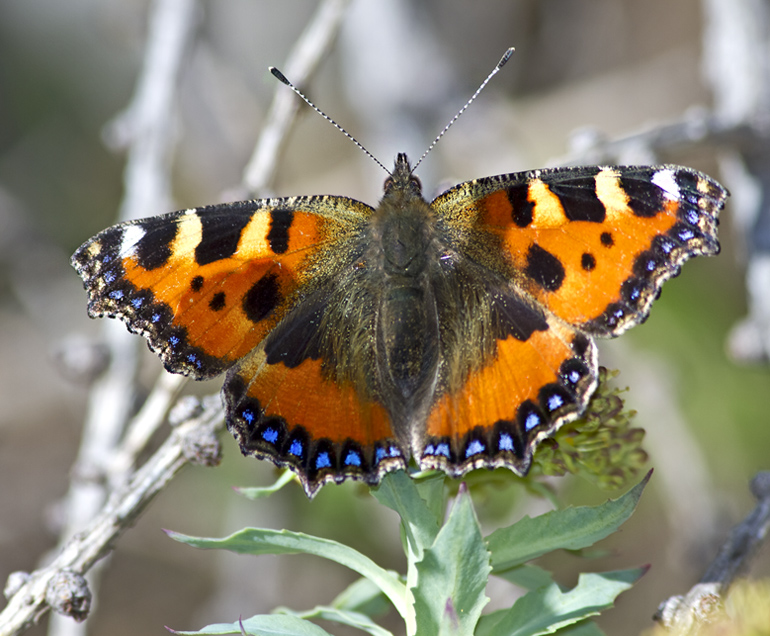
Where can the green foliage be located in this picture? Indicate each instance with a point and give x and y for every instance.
(260, 493)
(569, 529)
(452, 575)
(442, 592)
(547, 609)
(601, 446)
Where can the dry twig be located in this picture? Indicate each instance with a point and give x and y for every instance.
(110, 443)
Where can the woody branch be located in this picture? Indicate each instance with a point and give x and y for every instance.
(108, 491)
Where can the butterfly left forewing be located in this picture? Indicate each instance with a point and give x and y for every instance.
(206, 285)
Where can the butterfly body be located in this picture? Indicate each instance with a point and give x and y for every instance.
(457, 333)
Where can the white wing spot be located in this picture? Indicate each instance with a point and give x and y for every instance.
(132, 234)
(666, 181)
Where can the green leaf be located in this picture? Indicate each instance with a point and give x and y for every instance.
(548, 609)
(530, 577)
(570, 529)
(262, 625)
(362, 596)
(352, 619)
(398, 492)
(452, 576)
(432, 486)
(259, 493)
(257, 541)
(582, 628)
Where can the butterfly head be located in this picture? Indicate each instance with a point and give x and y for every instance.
(401, 180)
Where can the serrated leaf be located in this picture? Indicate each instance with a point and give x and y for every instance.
(452, 576)
(352, 619)
(570, 529)
(262, 625)
(256, 541)
(548, 609)
(530, 577)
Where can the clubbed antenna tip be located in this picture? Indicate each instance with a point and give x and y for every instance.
(278, 75)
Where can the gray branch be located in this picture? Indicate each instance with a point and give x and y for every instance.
(145, 130)
(312, 46)
(110, 444)
(685, 613)
(30, 599)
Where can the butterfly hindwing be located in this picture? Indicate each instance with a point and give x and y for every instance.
(291, 401)
(297, 417)
(534, 382)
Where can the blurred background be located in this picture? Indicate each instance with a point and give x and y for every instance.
(584, 71)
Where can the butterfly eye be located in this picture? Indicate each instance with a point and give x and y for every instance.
(415, 182)
(388, 183)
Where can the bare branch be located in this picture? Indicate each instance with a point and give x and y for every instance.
(143, 426)
(146, 127)
(302, 62)
(98, 537)
(745, 538)
(687, 611)
(696, 126)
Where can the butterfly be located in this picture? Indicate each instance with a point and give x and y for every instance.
(457, 333)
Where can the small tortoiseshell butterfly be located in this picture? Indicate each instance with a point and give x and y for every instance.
(458, 333)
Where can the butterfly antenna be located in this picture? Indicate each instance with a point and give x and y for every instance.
(500, 65)
(280, 76)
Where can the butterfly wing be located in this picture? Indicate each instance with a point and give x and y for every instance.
(206, 285)
(590, 248)
(295, 415)
(534, 382)
(592, 244)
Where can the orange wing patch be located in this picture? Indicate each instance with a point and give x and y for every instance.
(226, 308)
(595, 244)
(299, 418)
(523, 394)
(204, 286)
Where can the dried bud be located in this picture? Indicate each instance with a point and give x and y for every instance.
(68, 594)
